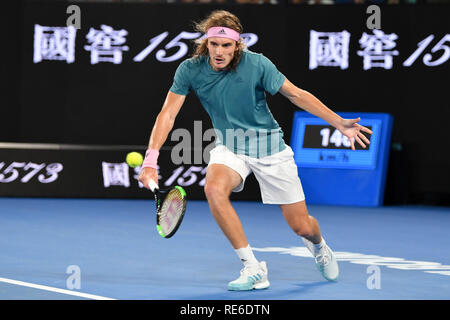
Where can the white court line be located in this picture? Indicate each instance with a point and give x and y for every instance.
(63, 291)
(359, 258)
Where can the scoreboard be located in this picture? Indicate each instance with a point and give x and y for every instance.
(334, 174)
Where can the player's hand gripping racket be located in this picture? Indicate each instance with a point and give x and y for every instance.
(170, 208)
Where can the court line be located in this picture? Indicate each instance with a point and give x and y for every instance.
(57, 290)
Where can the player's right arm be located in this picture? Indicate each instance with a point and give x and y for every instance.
(161, 129)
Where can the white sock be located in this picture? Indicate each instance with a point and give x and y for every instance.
(320, 245)
(312, 247)
(246, 255)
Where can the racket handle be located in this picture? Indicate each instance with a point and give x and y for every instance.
(152, 185)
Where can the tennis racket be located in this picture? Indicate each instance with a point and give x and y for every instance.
(170, 208)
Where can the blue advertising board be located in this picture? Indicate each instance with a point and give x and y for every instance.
(334, 174)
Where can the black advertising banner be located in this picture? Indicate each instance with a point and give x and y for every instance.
(51, 170)
(105, 82)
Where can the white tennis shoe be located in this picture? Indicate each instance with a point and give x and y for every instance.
(325, 260)
(252, 277)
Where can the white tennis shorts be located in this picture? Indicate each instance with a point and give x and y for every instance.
(277, 174)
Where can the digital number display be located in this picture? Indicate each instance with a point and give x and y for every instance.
(328, 137)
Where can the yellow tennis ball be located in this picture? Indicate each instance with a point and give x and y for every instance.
(134, 159)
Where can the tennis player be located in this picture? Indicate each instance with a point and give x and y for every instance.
(231, 83)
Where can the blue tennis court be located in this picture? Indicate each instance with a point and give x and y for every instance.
(116, 252)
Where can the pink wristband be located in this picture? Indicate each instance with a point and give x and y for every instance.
(151, 159)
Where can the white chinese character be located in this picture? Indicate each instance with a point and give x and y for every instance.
(377, 49)
(329, 49)
(115, 174)
(54, 43)
(106, 44)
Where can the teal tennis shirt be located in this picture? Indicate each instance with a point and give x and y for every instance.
(236, 101)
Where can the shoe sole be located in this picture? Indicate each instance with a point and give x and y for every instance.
(248, 287)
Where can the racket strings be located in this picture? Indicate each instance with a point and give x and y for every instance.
(172, 210)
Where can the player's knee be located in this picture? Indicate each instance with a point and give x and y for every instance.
(215, 191)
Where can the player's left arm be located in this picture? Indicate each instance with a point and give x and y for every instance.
(308, 102)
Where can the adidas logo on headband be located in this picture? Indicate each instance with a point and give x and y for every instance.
(223, 32)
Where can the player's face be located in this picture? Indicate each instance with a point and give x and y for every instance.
(221, 52)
